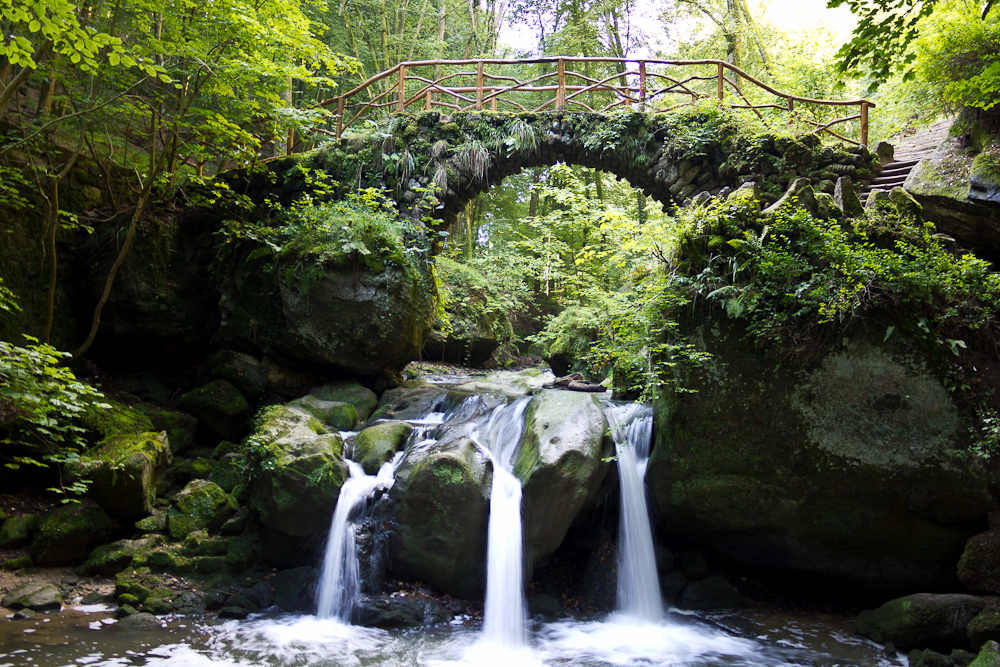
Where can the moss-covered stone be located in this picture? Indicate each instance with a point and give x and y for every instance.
(34, 595)
(67, 535)
(124, 472)
(361, 397)
(241, 370)
(411, 400)
(17, 530)
(180, 428)
(220, 407)
(338, 416)
(199, 467)
(921, 620)
(984, 627)
(559, 465)
(112, 558)
(154, 523)
(201, 504)
(979, 566)
(378, 444)
(989, 655)
(18, 563)
(228, 472)
(118, 420)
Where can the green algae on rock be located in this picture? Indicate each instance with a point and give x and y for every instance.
(68, 534)
(201, 504)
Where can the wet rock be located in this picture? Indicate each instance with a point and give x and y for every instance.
(600, 578)
(241, 370)
(559, 465)
(441, 500)
(671, 584)
(389, 613)
(25, 615)
(189, 604)
(112, 558)
(362, 398)
(337, 416)
(929, 658)
(545, 605)
(923, 619)
(379, 443)
(409, 401)
(201, 504)
(220, 407)
(17, 530)
(138, 621)
(34, 595)
(293, 588)
(711, 594)
(67, 535)
(124, 472)
(693, 564)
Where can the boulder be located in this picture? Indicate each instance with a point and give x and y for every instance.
(228, 472)
(711, 594)
(201, 504)
(441, 499)
(336, 415)
(139, 621)
(467, 341)
(979, 566)
(111, 559)
(800, 194)
(847, 199)
(984, 627)
(181, 428)
(219, 407)
(297, 473)
(559, 465)
(844, 467)
(240, 369)
(389, 613)
(68, 534)
(154, 523)
(124, 472)
(989, 656)
(921, 620)
(293, 588)
(34, 595)
(361, 397)
(355, 320)
(412, 400)
(378, 444)
(17, 530)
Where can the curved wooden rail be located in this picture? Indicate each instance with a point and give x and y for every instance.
(638, 85)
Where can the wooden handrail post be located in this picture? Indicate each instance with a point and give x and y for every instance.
(561, 89)
(493, 103)
(864, 123)
(722, 74)
(642, 85)
(340, 116)
(402, 88)
(479, 87)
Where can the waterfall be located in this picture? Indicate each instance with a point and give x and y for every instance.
(340, 582)
(504, 617)
(638, 583)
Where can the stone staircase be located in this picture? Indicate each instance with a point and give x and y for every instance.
(909, 151)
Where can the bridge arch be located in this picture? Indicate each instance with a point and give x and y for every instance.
(672, 157)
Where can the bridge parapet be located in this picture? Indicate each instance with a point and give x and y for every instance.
(588, 85)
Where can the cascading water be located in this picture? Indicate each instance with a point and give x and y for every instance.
(504, 618)
(638, 584)
(340, 583)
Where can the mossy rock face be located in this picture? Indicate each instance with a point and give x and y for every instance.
(118, 420)
(922, 620)
(378, 444)
(361, 397)
(979, 567)
(67, 535)
(180, 428)
(984, 177)
(154, 523)
(412, 400)
(296, 485)
(220, 407)
(800, 194)
(112, 558)
(356, 322)
(124, 472)
(559, 465)
(242, 370)
(228, 472)
(339, 416)
(467, 341)
(17, 530)
(989, 656)
(441, 496)
(185, 470)
(200, 505)
(984, 627)
(845, 467)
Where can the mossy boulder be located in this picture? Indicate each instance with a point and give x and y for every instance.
(984, 627)
(103, 423)
(220, 407)
(441, 499)
(361, 397)
(979, 566)
(240, 369)
(68, 534)
(800, 194)
(378, 444)
(356, 320)
(186, 469)
(989, 656)
(710, 594)
(411, 400)
(466, 340)
(228, 472)
(17, 530)
(337, 415)
(559, 465)
(922, 620)
(34, 595)
(297, 475)
(201, 504)
(124, 472)
(110, 559)
(849, 466)
(181, 428)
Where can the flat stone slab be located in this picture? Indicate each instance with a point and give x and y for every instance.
(34, 595)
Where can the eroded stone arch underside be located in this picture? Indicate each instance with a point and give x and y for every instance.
(672, 157)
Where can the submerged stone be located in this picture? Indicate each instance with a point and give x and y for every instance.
(923, 620)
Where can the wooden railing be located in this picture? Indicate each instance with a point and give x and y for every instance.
(556, 84)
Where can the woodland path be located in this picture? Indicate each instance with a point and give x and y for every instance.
(908, 152)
